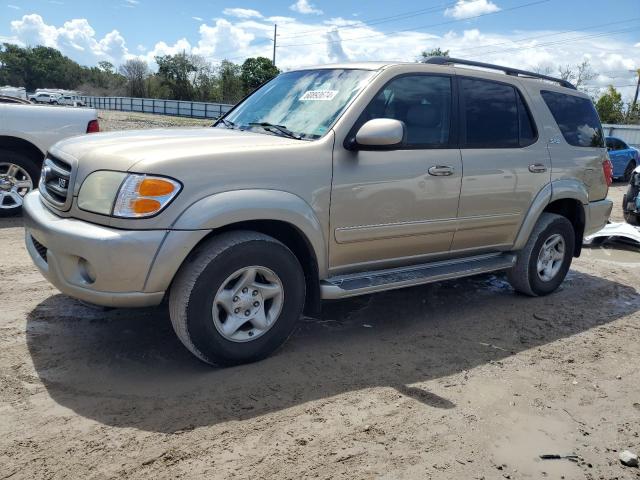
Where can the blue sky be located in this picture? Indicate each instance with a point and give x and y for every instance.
(542, 34)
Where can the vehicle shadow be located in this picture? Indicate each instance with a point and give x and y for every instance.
(126, 368)
(11, 222)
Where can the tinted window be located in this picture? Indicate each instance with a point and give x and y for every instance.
(491, 114)
(422, 102)
(615, 144)
(577, 119)
(528, 133)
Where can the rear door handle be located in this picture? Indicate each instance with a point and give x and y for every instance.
(537, 168)
(441, 171)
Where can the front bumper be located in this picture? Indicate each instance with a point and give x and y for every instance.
(96, 264)
(597, 215)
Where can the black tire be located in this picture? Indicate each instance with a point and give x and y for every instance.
(524, 277)
(192, 294)
(630, 216)
(628, 172)
(30, 165)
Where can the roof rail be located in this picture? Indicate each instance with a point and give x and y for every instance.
(507, 70)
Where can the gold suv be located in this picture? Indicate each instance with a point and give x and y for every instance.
(325, 183)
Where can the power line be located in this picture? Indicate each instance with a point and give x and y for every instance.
(377, 21)
(384, 34)
(478, 47)
(562, 42)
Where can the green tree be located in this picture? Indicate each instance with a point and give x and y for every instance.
(230, 87)
(175, 72)
(256, 71)
(106, 67)
(38, 67)
(610, 106)
(136, 72)
(434, 52)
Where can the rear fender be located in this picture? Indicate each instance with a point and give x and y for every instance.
(556, 190)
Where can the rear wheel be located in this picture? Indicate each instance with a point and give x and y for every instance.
(629, 205)
(237, 298)
(544, 262)
(19, 174)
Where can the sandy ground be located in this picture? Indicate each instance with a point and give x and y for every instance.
(456, 380)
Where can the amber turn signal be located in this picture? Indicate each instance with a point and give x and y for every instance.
(143, 206)
(155, 187)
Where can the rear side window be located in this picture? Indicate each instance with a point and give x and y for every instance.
(577, 119)
(495, 116)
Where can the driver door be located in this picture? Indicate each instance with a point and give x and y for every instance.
(390, 208)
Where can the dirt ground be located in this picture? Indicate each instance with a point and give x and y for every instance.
(456, 380)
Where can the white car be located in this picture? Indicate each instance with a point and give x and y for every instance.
(72, 100)
(50, 98)
(26, 134)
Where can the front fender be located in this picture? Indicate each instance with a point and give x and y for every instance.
(222, 209)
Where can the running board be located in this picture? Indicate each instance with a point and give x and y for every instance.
(351, 285)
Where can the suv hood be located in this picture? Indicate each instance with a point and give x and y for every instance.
(142, 150)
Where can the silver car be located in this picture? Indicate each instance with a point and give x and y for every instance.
(325, 183)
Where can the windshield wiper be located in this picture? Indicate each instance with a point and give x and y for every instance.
(227, 123)
(270, 127)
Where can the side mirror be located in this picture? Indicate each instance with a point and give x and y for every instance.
(380, 134)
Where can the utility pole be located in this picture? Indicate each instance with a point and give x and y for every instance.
(275, 35)
(635, 98)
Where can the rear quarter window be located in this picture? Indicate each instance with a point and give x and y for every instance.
(576, 117)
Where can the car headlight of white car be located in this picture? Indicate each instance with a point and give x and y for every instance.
(126, 195)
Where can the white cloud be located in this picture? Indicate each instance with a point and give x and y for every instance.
(242, 13)
(315, 41)
(304, 7)
(14, 7)
(132, 2)
(76, 38)
(198, 19)
(471, 8)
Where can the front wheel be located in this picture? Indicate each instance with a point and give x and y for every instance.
(19, 175)
(628, 172)
(544, 262)
(237, 298)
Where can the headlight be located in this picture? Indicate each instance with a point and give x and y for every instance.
(126, 195)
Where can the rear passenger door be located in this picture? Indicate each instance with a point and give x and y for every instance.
(504, 164)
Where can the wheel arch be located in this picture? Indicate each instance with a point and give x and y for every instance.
(281, 215)
(21, 145)
(563, 197)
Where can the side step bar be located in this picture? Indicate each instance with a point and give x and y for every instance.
(351, 285)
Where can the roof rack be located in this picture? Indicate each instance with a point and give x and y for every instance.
(507, 70)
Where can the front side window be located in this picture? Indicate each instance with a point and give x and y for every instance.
(422, 102)
(305, 103)
(495, 116)
(576, 117)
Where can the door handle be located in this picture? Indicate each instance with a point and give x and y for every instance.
(537, 168)
(440, 170)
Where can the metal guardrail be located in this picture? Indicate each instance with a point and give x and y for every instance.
(179, 108)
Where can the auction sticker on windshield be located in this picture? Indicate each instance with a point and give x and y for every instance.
(318, 95)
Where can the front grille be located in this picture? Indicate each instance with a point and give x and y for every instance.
(55, 181)
(41, 249)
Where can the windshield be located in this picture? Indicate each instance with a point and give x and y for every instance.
(303, 104)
